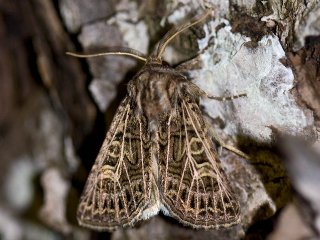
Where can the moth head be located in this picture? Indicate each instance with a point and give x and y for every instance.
(157, 61)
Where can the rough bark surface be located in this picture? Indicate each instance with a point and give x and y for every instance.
(55, 109)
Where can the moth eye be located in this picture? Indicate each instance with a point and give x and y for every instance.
(165, 64)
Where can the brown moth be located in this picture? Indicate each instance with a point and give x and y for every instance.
(158, 155)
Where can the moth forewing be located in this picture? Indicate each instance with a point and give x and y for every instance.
(158, 155)
(119, 185)
(194, 187)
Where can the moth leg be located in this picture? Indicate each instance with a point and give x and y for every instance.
(226, 146)
(226, 98)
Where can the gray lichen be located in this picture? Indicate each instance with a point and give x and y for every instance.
(230, 66)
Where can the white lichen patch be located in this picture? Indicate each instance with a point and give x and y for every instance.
(127, 20)
(230, 66)
(179, 9)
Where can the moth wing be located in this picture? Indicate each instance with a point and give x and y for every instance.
(193, 186)
(118, 187)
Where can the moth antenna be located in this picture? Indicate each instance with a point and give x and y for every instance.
(177, 30)
(113, 51)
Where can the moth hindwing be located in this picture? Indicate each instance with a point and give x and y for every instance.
(158, 155)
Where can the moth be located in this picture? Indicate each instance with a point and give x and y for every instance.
(158, 154)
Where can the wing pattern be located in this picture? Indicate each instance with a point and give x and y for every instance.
(194, 188)
(136, 173)
(118, 188)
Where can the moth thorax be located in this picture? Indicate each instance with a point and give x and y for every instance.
(157, 93)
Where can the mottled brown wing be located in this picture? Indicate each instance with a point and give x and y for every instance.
(193, 186)
(118, 188)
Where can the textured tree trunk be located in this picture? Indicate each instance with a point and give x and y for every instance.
(55, 109)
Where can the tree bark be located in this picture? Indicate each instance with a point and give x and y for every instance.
(55, 109)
